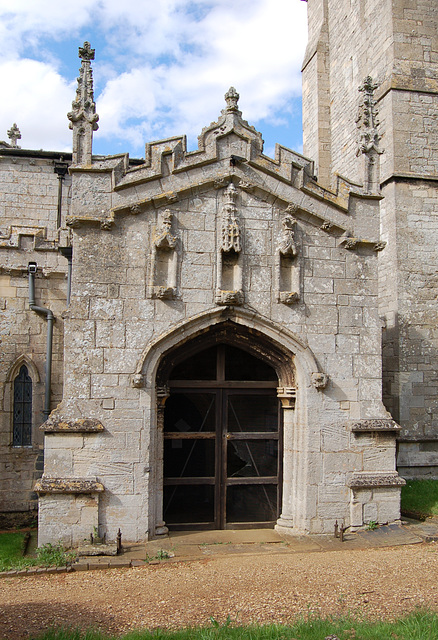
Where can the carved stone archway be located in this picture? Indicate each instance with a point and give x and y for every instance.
(298, 379)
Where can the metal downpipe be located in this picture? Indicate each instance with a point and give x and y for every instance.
(32, 269)
(67, 252)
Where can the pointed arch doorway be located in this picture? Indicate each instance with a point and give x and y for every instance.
(222, 438)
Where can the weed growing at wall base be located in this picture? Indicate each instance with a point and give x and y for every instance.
(49, 555)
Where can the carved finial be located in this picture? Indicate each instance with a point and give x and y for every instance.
(14, 135)
(86, 52)
(230, 225)
(232, 98)
(369, 138)
(83, 117)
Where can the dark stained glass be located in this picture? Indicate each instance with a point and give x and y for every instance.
(22, 416)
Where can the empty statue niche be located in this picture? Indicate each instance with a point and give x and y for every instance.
(229, 268)
(230, 271)
(164, 267)
(288, 271)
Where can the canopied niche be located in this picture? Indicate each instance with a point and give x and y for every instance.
(164, 259)
(287, 266)
(229, 257)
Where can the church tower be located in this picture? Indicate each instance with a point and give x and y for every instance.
(387, 131)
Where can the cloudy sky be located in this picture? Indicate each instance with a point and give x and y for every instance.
(161, 68)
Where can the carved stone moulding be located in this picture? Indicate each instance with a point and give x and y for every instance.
(348, 242)
(56, 424)
(234, 298)
(164, 293)
(319, 380)
(287, 396)
(288, 297)
(360, 480)
(107, 224)
(137, 380)
(73, 222)
(68, 485)
(163, 391)
(374, 424)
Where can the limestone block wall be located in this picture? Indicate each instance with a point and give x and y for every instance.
(113, 318)
(410, 337)
(28, 233)
(30, 192)
(397, 44)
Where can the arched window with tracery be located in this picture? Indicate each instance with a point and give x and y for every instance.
(22, 409)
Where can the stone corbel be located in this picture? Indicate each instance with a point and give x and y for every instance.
(347, 241)
(246, 186)
(319, 380)
(163, 293)
(73, 222)
(137, 380)
(288, 297)
(107, 223)
(229, 298)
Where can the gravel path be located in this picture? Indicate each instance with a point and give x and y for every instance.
(252, 588)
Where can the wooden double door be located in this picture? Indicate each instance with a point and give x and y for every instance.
(222, 442)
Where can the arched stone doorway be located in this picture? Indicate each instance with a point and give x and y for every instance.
(222, 429)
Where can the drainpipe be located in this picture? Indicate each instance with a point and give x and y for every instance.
(67, 252)
(32, 269)
(60, 169)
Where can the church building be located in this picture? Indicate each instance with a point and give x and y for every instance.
(193, 340)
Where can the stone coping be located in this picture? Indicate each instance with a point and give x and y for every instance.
(361, 480)
(103, 549)
(68, 485)
(374, 424)
(57, 424)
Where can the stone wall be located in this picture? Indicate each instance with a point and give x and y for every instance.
(397, 44)
(128, 310)
(28, 233)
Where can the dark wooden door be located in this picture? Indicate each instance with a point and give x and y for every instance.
(222, 442)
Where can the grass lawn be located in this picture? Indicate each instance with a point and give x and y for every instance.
(11, 554)
(417, 626)
(419, 498)
(11, 545)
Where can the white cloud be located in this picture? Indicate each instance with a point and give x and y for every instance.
(39, 99)
(162, 67)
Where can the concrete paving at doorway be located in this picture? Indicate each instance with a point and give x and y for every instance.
(198, 545)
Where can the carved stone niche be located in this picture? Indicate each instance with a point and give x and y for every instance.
(287, 266)
(164, 260)
(229, 256)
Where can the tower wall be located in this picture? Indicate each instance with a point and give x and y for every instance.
(396, 43)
